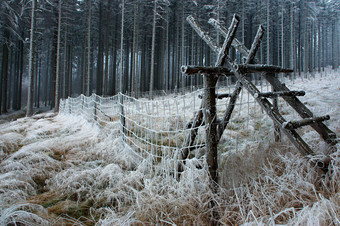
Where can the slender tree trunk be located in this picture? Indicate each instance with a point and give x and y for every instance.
(153, 43)
(30, 94)
(70, 57)
(268, 32)
(121, 48)
(183, 47)
(333, 45)
(292, 40)
(4, 74)
(65, 65)
(100, 53)
(57, 83)
(166, 60)
(282, 38)
(107, 36)
(38, 83)
(47, 77)
(88, 66)
(134, 53)
(4, 68)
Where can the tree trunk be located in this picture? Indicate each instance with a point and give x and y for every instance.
(65, 65)
(121, 48)
(31, 61)
(107, 38)
(100, 52)
(88, 66)
(183, 47)
(153, 43)
(134, 53)
(4, 73)
(268, 32)
(56, 89)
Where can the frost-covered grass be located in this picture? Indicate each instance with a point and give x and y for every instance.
(61, 169)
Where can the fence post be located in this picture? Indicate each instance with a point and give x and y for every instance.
(122, 117)
(82, 101)
(210, 122)
(68, 100)
(277, 130)
(94, 98)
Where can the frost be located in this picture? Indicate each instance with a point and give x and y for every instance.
(57, 169)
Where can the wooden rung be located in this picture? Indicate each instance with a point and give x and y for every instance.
(219, 96)
(191, 70)
(223, 95)
(291, 125)
(253, 68)
(281, 93)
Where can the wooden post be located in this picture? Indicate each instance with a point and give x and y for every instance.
(122, 117)
(95, 107)
(277, 130)
(69, 104)
(211, 125)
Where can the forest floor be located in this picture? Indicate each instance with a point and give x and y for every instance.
(62, 170)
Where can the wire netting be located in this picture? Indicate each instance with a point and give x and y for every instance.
(160, 129)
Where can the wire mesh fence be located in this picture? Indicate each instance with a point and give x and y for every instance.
(159, 129)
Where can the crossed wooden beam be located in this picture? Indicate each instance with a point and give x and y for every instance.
(227, 67)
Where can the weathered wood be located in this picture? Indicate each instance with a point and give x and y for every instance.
(277, 129)
(223, 95)
(253, 68)
(230, 108)
(281, 94)
(223, 53)
(328, 135)
(218, 96)
(255, 45)
(271, 111)
(191, 70)
(236, 43)
(304, 122)
(122, 116)
(232, 101)
(204, 35)
(210, 123)
(198, 118)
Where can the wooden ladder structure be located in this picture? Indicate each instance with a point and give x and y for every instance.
(225, 66)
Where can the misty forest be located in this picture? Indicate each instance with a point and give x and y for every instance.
(106, 47)
(165, 112)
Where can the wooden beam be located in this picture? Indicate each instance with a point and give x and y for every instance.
(328, 135)
(236, 43)
(204, 35)
(253, 68)
(231, 105)
(304, 122)
(230, 108)
(218, 96)
(255, 45)
(191, 70)
(223, 53)
(272, 112)
(281, 94)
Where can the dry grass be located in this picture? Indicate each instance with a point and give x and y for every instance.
(62, 170)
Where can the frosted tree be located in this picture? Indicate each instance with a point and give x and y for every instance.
(30, 94)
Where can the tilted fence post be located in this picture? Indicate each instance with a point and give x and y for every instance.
(122, 117)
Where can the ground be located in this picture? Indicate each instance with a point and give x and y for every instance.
(61, 169)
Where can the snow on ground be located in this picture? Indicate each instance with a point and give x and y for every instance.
(61, 169)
